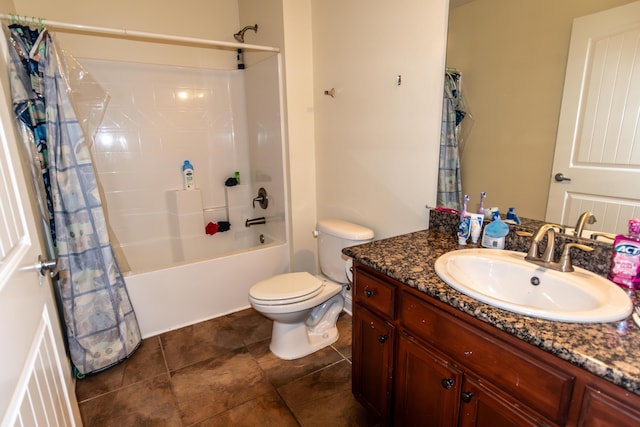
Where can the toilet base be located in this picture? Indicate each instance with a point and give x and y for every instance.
(295, 340)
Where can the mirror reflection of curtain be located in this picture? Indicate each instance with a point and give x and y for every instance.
(453, 112)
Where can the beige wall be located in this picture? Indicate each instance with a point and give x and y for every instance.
(298, 56)
(377, 143)
(377, 164)
(512, 55)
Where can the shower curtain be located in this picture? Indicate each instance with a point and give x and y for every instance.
(101, 326)
(453, 112)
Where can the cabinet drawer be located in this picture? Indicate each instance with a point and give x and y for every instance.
(374, 294)
(532, 381)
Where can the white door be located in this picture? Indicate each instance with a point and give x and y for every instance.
(36, 385)
(598, 142)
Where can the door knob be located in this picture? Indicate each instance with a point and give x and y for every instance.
(44, 265)
(559, 177)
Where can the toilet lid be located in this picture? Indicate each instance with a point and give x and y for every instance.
(285, 287)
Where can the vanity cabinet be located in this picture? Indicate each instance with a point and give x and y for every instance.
(372, 354)
(423, 372)
(432, 391)
(418, 361)
(373, 346)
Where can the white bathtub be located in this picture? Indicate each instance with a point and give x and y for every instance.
(191, 291)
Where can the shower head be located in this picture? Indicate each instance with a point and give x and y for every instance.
(240, 34)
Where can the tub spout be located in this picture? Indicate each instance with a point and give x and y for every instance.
(255, 221)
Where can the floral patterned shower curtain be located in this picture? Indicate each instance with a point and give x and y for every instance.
(101, 326)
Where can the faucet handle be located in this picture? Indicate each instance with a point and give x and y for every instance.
(594, 236)
(565, 262)
(262, 199)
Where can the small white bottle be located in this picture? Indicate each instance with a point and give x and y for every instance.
(187, 175)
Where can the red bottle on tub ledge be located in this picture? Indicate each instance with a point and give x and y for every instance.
(625, 260)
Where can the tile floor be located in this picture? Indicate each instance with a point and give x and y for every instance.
(221, 373)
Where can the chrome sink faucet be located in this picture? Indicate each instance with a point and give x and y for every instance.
(546, 259)
(585, 218)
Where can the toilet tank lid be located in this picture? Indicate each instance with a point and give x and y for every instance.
(344, 229)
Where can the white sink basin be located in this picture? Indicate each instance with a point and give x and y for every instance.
(504, 279)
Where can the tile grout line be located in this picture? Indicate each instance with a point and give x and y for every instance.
(340, 353)
(164, 356)
(167, 371)
(168, 374)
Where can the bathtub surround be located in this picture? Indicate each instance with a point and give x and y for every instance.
(222, 121)
(157, 117)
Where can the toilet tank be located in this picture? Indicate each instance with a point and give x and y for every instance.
(334, 235)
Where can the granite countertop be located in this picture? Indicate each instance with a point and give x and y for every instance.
(608, 350)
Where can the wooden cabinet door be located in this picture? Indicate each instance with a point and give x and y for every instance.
(482, 406)
(373, 342)
(427, 388)
(599, 409)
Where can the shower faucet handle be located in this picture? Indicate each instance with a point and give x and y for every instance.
(262, 199)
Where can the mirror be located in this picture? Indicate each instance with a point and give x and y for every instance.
(512, 57)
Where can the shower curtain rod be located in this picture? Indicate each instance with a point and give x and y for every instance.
(133, 34)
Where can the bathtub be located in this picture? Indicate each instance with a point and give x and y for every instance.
(207, 277)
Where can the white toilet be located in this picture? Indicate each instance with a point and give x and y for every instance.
(304, 308)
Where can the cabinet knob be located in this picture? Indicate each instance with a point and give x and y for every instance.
(382, 338)
(466, 396)
(447, 383)
(368, 293)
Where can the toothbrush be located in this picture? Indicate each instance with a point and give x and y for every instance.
(464, 207)
(481, 208)
(464, 229)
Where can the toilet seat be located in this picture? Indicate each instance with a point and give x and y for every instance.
(286, 288)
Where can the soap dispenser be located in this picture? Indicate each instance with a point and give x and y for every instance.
(187, 175)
